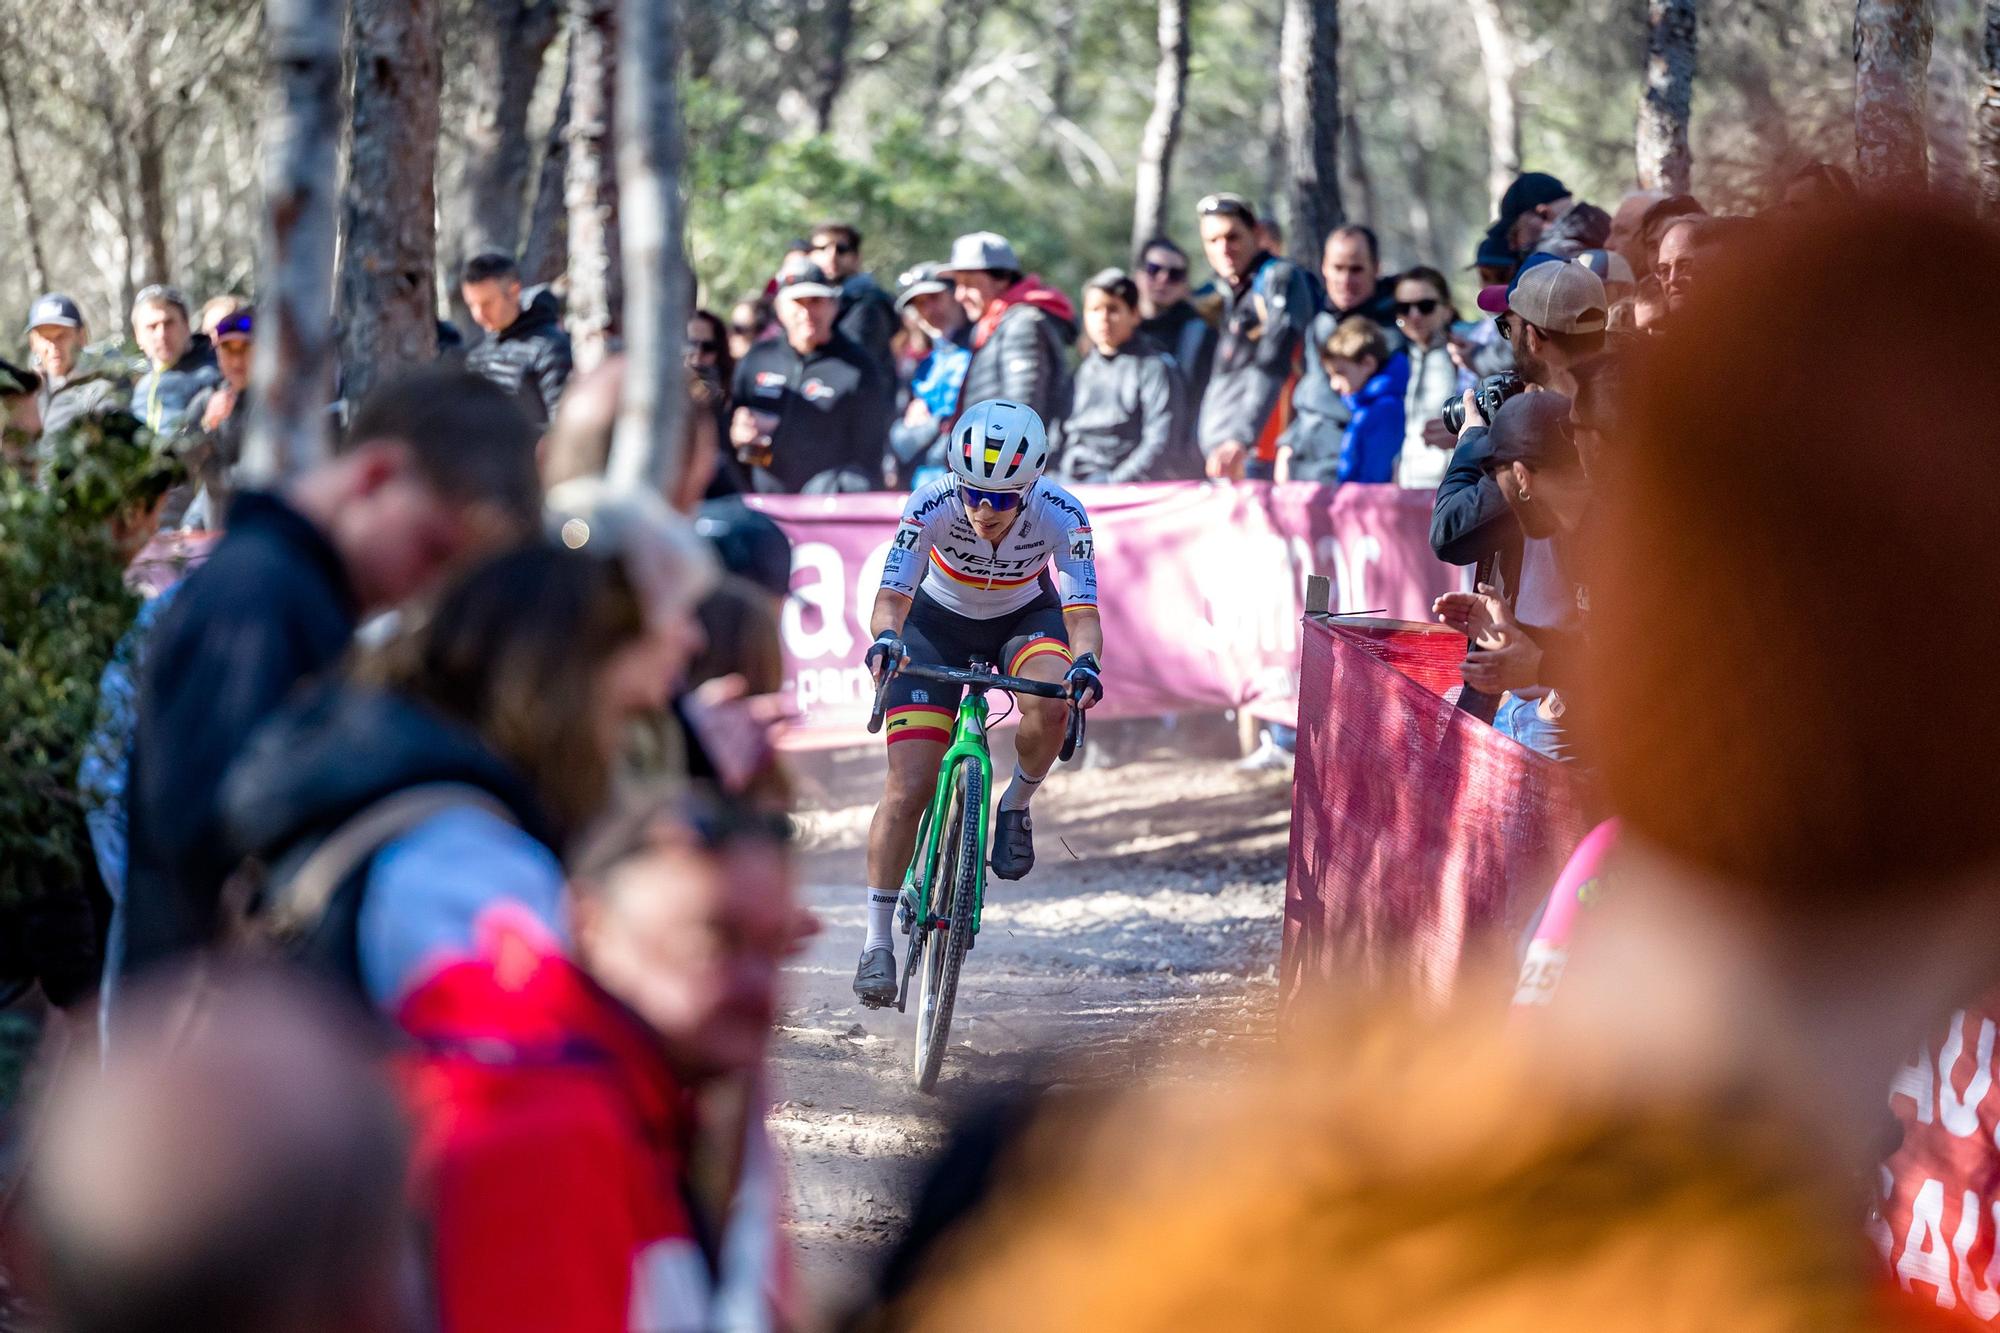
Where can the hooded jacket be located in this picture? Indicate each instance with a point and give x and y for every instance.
(161, 396)
(1130, 420)
(554, 1154)
(1262, 325)
(1020, 351)
(530, 358)
(424, 898)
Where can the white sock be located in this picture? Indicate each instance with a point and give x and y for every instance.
(1020, 791)
(881, 914)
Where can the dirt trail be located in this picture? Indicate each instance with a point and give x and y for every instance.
(1157, 925)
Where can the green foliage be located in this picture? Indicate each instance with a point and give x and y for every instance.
(63, 607)
(911, 194)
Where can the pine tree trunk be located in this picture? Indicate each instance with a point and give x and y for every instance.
(1500, 62)
(1153, 176)
(1892, 56)
(1309, 101)
(388, 279)
(546, 250)
(646, 446)
(1356, 162)
(38, 271)
(832, 64)
(510, 38)
(591, 190)
(1665, 162)
(294, 359)
(1988, 120)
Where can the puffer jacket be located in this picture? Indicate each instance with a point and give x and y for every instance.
(1262, 326)
(1020, 351)
(161, 397)
(1130, 419)
(530, 358)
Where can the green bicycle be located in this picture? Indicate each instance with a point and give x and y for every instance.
(944, 889)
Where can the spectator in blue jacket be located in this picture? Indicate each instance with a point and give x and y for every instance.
(180, 364)
(927, 298)
(1371, 381)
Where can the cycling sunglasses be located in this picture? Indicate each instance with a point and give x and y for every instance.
(1166, 271)
(1002, 501)
(1427, 306)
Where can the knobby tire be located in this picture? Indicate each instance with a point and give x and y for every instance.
(955, 896)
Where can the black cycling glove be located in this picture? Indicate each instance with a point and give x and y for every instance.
(1083, 678)
(887, 650)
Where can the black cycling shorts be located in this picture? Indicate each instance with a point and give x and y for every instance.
(923, 710)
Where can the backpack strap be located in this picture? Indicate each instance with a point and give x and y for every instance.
(302, 901)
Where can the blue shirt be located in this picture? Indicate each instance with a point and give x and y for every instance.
(1374, 436)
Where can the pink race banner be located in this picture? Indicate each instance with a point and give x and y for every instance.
(1201, 586)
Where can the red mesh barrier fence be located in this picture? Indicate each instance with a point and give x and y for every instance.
(1422, 839)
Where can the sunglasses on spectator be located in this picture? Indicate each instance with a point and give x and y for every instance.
(1427, 306)
(1002, 501)
(1168, 271)
(1229, 206)
(1506, 326)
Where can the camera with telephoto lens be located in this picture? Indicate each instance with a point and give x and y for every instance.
(1491, 393)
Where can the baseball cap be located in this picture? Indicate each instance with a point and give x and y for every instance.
(802, 278)
(235, 324)
(1530, 189)
(1493, 251)
(55, 308)
(1532, 428)
(1609, 266)
(1552, 294)
(980, 250)
(922, 280)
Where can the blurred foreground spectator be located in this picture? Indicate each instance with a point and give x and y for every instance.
(180, 362)
(406, 497)
(571, 1158)
(525, 350)
(236, 1165)
(1805, 879)
(1130, 420)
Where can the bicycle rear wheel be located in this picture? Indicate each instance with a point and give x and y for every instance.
(954, 899)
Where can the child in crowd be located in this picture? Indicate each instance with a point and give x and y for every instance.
(1371, 382)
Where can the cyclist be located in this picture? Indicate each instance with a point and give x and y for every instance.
(967, 581)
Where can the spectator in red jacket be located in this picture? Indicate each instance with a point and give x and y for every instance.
(562, 1155)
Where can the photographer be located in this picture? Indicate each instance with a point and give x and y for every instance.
(1553, 314)
(1529, 648)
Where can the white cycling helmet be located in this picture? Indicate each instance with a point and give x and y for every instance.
(999, 446)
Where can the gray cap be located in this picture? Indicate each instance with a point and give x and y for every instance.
(55, 308)
(981, 250)
(922, 280)
(802, 278)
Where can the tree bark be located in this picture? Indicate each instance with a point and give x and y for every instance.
(1500, 62)
(510, 39)
(388, 279)
(1358, 175)
(149, 154)
(25, 196)
(1988, 120)
(1667, 101)
(831, 72)
(646, 445)
(1153, 176)
(596, 300)
(294, 357)
(1309, 102)
(546, 250)
(1892, 56)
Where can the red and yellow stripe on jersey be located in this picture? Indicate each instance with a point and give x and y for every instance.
(917, 722)
(1034, 648)
(975, 580)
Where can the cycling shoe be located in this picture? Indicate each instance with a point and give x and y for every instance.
(1013, 844)
(875, 979)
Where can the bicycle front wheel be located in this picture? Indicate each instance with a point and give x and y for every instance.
(954, 900)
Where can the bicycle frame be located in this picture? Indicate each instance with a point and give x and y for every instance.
(968, 737)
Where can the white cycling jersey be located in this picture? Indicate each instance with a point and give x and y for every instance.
(936, 548)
